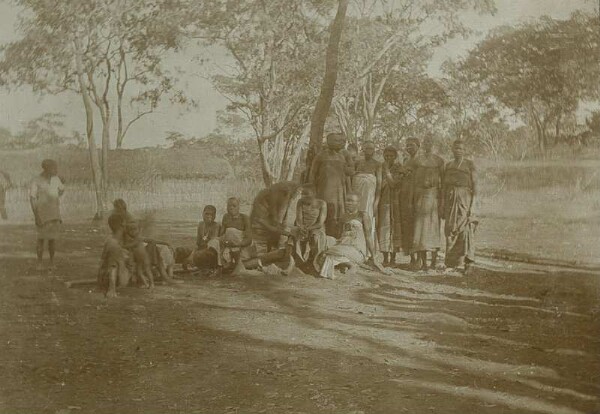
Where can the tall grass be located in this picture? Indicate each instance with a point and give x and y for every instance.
(78, 201)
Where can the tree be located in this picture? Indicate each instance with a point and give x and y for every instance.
(96, 49)
(274, 49)
(385, 55)
(321, 111)
(540, 70)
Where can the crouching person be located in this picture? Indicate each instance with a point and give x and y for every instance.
(113, 271)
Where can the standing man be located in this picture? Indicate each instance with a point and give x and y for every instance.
(427, 185)
(459, 189)
(406, 200)
(5, 184)
(366, 181)
(328, 174)
(44, 195)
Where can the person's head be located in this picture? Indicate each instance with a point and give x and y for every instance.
(412, 145)
(368, 149)
(116, 223)
(351, 202)
(458, 148)
(336, 141)
(233, 206)
(428, 144)
(49, 167)
(119, 205)
(209, 214)
(390, 154)
(309, 192)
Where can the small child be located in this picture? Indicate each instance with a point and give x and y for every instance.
(208, 250)
(133, 242)
(113, 271)
(236, 233)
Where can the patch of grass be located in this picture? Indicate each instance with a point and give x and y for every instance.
(78, 202)
(139, 166)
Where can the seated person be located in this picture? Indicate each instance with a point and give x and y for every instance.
(132, 241)
(208, 250)
(113, 271)
(354, 246)
(311, 213)
(162, 257)
(272, 221)
(236, 233)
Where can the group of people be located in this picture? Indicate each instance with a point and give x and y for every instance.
(400, 203)
(349, 208)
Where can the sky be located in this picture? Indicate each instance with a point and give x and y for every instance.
(19, 106)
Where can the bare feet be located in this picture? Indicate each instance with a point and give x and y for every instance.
(111, 294)
(288, 270)
(39, 266)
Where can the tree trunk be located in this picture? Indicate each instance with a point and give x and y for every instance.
(319, 116)
(105, 147)
(264, 165)
(89, 115)
(120, 134)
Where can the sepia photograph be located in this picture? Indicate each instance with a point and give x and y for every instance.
(300, 206)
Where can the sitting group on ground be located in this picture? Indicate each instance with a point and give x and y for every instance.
(349, 210)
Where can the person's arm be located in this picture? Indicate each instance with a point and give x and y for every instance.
(33, 189)
(378, 179)
(441, 192)
(247, 240)
(322, 217)
(199, 235)
(223, 225)
(473, 186)
(61, 186)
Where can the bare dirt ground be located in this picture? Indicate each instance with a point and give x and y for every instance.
(506, 339)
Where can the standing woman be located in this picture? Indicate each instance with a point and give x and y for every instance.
(389, 228)
(405, 196)
(459, 191)
(427, 192)
(44, 195)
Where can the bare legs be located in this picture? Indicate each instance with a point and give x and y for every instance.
(421, 261)
(40, 253)
(389, 258)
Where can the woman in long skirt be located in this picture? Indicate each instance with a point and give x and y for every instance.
(459, 190)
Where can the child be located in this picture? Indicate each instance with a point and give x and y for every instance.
(310, 220)
(113, 270)
(133, 242)
(208, 250)
(236, 232)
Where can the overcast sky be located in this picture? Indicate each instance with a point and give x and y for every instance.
(17, 107)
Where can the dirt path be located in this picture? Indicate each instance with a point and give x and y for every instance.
(502, 340)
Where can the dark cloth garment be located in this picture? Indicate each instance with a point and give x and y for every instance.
(405, 196)
(389, 225)
(459, 227)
